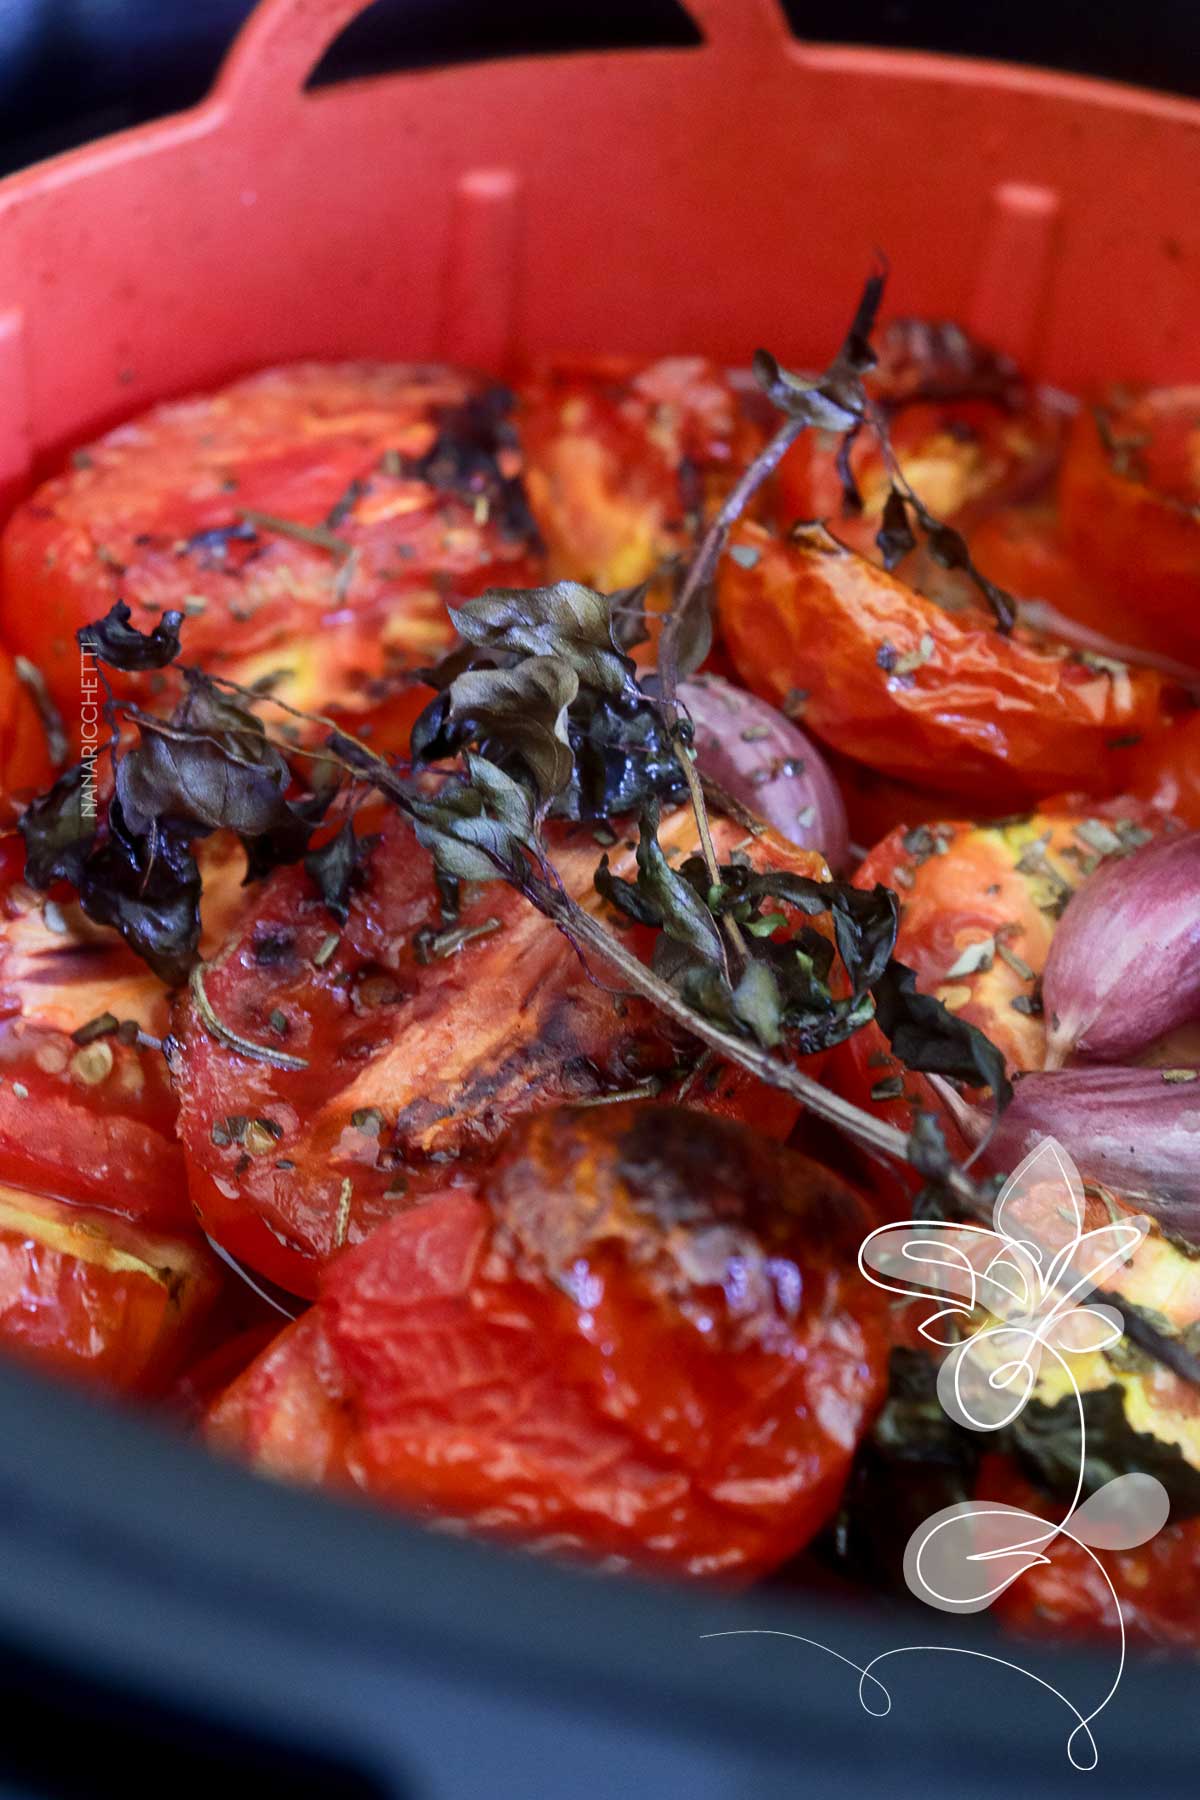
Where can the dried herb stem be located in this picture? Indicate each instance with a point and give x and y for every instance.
(729, 925)
(873, 1134)
(318, 535)
(704, 565)
(233, 1040)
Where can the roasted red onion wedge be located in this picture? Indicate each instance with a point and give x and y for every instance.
(1135, 1130)
(1124, 967)
(749, 748)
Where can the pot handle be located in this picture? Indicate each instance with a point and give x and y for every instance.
(282, 42)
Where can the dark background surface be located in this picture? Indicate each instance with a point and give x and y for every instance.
(71, 70)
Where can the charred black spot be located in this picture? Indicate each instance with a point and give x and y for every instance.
(271, 947)
(211, 547)
(679, 1164)
(474, 456)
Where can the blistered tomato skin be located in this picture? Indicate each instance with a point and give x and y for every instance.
(647, 1339)
(422, 1040)
(1129, 493)
(915, 691)
(414, 471)
(86, 1294)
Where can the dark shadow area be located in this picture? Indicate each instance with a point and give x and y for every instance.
(61, 1739)
(423, 34)
(72, 70)
(1152, 46)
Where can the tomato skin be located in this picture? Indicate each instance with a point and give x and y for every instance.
(1129, 515)
(87, 1295)
(1000, 720)
(1021, 549)
(647, 1339)
(1157, 1585)
(123, 523)
(25, 766)
(433, 1058)
(623, 458)
(1164, 769)
(88, 1122)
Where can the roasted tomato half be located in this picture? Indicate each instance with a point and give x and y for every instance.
(921, 693)
(87, 1110)
(625, 459)
(978, 907)
(1130, 498)
(87, 1294)
(405, 1043)
(309, 522)
(646, 1339)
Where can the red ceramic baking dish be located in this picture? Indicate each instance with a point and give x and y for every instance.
(700, 199)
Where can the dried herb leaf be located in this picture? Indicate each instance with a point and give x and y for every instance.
(929, 1038)
(523, 709)
(334, 866)
(147, 886)
(58, 835)
(895, 536)
(1046, 1438)
(115, 641)
(567, 621)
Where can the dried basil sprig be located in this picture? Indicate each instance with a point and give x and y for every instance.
(208, 767)
(543, 689)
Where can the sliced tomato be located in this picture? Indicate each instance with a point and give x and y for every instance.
(625, 459)
(1022, 549)
(918, 692)
(978, 908)
(1130, 499)
(409, 477)
(87, 1111)
(87, 1294)
(420, 1039)
(646, 1340)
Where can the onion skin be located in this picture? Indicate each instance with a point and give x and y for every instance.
(748, 747)
(1124, 967)
(1135, 1130)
